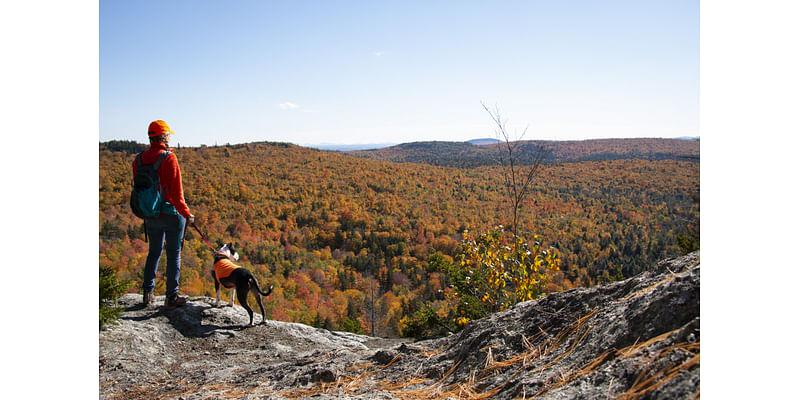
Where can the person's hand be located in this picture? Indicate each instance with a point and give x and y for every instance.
(191, 218)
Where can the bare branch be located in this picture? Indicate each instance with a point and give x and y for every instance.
(518, 180)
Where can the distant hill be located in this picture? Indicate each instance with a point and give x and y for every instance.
(483, 142)
(127, 146)
(435, 153)
(349, 147)
(465, 154)
(375, 146)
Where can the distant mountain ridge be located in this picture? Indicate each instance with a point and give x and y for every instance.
(376, 146)
(468, 155)
(483, 142)
(349, 147)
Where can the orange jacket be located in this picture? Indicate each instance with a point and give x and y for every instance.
(169, 176)
(223, 269)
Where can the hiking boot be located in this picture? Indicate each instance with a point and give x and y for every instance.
(147, 298)
(174, 301)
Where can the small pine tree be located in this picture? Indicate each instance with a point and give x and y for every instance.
(349, 325)
(689, 242)
(423, 324)
(111, 288)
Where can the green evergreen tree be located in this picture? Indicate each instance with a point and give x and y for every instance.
(691, 240)
(348, 325)
(111, 288)
(424, 323)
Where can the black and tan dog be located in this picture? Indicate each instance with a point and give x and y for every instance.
(238, 279)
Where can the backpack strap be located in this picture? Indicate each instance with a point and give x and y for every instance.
(139, 160)
(161, 157)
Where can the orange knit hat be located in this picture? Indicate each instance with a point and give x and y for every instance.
(158, 128)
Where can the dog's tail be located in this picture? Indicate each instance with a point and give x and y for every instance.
(255, 282)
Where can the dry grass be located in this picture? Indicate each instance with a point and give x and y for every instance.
(648, 381)
(590, 367)
(343, 385)
(646, 290)
(410, 388)
(183, 388)
(642, 385)
(394, 386)
(469, 390)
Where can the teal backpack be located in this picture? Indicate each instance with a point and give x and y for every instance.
(147, 201)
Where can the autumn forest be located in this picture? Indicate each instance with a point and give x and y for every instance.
(362, 241)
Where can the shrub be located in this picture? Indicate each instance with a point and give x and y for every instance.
(497, 270)
(111, 288)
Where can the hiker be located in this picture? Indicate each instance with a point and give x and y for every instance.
(169, 226)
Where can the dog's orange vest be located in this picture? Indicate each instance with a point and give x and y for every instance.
(223, 269)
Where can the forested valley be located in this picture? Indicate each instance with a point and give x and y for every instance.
(356, 244)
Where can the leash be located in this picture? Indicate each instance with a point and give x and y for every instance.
(204, 237)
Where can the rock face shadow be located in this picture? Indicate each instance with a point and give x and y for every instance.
(195, 320)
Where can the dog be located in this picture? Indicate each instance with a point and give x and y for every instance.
(240, 280)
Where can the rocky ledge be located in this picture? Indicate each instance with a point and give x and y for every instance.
(637, 338)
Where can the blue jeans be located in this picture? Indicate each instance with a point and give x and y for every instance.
(164, 229)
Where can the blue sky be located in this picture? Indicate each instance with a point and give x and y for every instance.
(311, 72)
